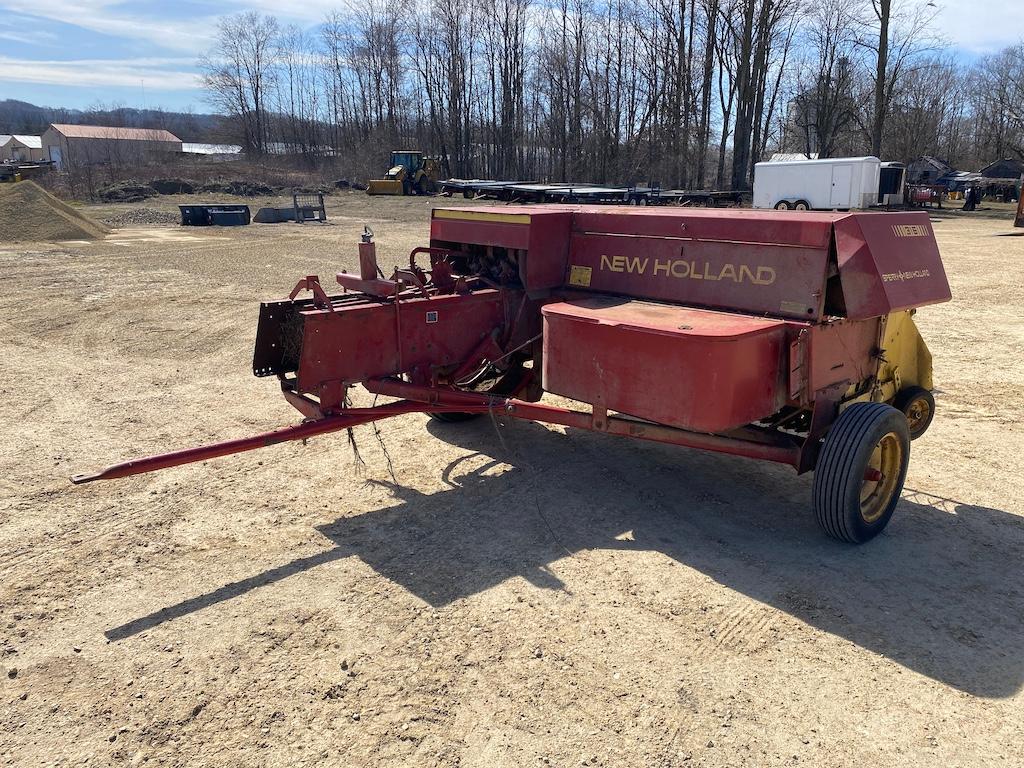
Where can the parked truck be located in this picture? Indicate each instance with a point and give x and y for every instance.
(838, 183)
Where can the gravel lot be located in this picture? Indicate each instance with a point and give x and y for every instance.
(521, 596)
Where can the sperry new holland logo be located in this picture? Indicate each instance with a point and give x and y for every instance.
(914, 274)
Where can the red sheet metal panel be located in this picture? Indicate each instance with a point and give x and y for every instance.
(754, 261)
(369, 340)
(762, 278)
(842, 351)
(810, 229)
(541, 231)
(504, 229)
(888, 262)
(691, 368)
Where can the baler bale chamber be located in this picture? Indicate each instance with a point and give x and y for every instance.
(777, 336)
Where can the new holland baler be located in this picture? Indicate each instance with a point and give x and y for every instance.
(777, 336)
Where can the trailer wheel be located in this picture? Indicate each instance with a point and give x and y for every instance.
(642, 201)
(918, 406)
(782, 205)
(860, 471)
(801, 205)
(710, 202)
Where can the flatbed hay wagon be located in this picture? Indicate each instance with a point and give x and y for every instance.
(776, 336)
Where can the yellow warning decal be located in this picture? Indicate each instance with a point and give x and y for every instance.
(910, 230)
(504, 218)
(580, 276)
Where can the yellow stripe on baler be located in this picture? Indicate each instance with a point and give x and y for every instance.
(503, 218)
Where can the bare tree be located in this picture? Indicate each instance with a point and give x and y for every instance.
(903, 36)
(238, 73)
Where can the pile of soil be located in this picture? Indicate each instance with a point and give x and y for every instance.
(239, 188)
(30, 213)
(134, 216)
(125, 192)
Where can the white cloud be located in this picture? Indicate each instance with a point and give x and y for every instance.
(29, 37)
(309, 12)
(981, 26)
(105, 17)
(157, 74)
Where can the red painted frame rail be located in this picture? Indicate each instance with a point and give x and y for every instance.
(420, 399)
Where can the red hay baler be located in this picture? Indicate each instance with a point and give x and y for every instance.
(777, 336)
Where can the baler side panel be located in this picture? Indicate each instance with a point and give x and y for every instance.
(546, 259)
(694, 369)
(888, 262)
(842, 352)
(542, 234)
(785, 281)
(510, 231)
(368, 341)
(810, 230)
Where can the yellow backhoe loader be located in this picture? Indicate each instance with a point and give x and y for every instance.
(410, 174)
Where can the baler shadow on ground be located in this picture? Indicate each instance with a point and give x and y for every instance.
(939, 593)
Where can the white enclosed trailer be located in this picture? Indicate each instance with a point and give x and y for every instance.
(836, 183)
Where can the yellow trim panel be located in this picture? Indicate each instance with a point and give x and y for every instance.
(503, 218)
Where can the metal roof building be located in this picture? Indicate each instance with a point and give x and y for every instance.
(68, 145)
(20, 148)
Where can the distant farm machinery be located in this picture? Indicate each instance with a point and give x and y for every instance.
(410, 174)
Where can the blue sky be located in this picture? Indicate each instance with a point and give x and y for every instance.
(143, 53)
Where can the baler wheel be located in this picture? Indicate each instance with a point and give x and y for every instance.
(782, 205)
(505, 386)
(860, 471)
(918, 406)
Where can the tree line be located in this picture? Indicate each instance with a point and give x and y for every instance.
(688, 93)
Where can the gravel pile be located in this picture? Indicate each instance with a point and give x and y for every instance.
(30, 213)
(134, 216)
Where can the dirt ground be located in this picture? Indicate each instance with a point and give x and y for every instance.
(515, 596)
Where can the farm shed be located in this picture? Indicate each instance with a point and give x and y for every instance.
(69, 145)
(928, 170)
(21, 148)
(1007, 168)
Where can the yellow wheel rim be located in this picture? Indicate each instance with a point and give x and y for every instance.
(918, 413)
(886, 461)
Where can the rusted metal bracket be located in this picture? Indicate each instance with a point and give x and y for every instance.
(312, 283)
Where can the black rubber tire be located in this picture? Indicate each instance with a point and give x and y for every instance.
(782, 205)
(908, 399)
(839, 474)
(710, 202)
(797, 205)
(453, 418)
